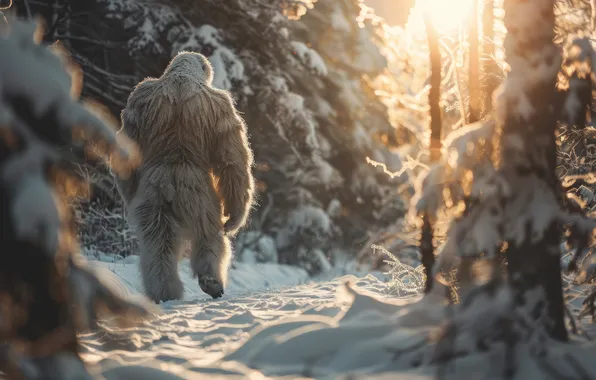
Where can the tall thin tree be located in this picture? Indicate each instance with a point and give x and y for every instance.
(434, 98)
(489, 65)
(474, 66)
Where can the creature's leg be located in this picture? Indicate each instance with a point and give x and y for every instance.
(160, 244)
(210, 261)
(211, 251)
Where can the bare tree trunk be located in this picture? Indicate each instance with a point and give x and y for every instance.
(434, 97)
(474, 67)
(488, 47)
(528, 150)
(475, 94)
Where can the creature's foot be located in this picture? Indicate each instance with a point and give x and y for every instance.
(211, 286)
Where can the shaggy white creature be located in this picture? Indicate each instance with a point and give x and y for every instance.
(196, 158)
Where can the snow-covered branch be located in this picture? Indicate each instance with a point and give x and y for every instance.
(43, 275)
(507, 168)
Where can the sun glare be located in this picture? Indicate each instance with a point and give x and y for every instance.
(446, 15)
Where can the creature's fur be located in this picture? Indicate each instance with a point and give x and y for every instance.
(196, 158)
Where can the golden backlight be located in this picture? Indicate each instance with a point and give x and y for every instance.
(446, 15)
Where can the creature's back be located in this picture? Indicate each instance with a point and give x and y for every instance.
(178, 123)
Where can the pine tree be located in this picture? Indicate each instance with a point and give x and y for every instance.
(507, 168)
(526, 116)
(47, 292)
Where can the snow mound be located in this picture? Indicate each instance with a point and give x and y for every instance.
(374, 334)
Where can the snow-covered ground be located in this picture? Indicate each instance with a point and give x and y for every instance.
(197, 330)
(273, 322)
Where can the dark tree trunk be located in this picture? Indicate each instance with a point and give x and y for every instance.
(529, 118)
(434, 98)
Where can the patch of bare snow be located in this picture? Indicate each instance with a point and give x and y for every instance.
(243, 277)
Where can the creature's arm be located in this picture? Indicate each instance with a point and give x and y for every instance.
(232, 164)
(131, 118)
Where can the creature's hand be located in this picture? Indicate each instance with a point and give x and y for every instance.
(233, 224)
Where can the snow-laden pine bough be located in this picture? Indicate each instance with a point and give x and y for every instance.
(47, 292)
(469, 116)
(507, 168)
(576, 152)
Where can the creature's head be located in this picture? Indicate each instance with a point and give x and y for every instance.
(191, 64)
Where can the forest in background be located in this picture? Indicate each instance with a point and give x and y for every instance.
(336, 104)
(326, 88)
(306, 84)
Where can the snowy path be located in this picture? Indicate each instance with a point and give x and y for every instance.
(199, 328)
(190, 335)
(290, 329)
